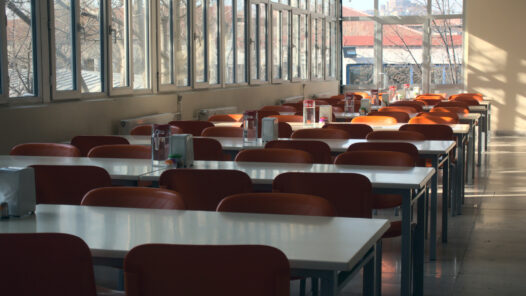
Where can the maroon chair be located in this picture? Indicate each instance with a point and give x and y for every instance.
(277, 203)
(235, 270)
(194, 127)
(355, 131)
(279, 108)
(418, 105)
(45, 149)
(226, 117)
(320, 133)
(284, 130)
(146, 130)
(402, 147)
(67, 184)
(349, 193)
(288, 118)
(45, 264)
(134, 197)
(203, 189)
(274, 155)
(85, 143)
(396, 135)
(209, 149)
(121, 151)
(320, 151)
(223, 131)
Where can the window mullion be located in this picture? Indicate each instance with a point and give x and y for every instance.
(4, 81)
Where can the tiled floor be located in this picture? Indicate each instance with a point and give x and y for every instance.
(486, 251)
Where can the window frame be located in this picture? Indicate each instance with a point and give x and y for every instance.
(254, 80)
(288, 10)
(4, 81)
(246, 33)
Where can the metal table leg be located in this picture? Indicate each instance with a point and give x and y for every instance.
(479, 148)
(471, 155)
(445, 198)
(406, 243)
(433, 203)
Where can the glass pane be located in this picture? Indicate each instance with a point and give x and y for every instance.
(295, 46)
(91, 63)
(213, 39)
(319, 6)
(230, 41)
(447, 6)
(304, 37)
(276, 37)
(166, 53)
(446, 51)
(357, 7)
(141, 46)
(312, 5)
(240, 42)
(319, 48)
(254, 43)
(325, 7)
(358, 52)
(182, 55)
(119, 43)
(294, 3)
(303, 4)
(327, 48)
(64, 35)
(402, 54)
(200, 40)
(285, 46)
(263, 42)
(332, 72)
(20, 56)
(402, 7)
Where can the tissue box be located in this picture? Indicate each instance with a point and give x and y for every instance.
(182, 145)
(17, 189)
(269, 129)
(326, 111)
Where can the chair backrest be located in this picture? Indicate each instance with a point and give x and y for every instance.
(67, 184)
(453, 104)
(134, 197)
(374, 119)
(349, 193)
(223, 131)
(209, 149)
(430, 99)
(279, 108)
(466, 99)
(236, 270)
(226, 117)
(376, 157)
(45, 149)
(274, 155)
(418, 105)
(355, 131)
(320, 151)
(476, 96)
(277, 203)
(406, 109)
(436, 117)
(85, 143)
(362, 94)
(284, 130)
(45, 264)
(266, 113)
(455, 110)
(430, 131)
(340, 97)
(194, 127)
(288, 118)
(401, 117)
(204, 189)
(121, 151)
(146, 130)
(395, 135)
(320, 133)
(402, 147)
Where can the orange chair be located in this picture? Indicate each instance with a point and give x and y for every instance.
(320, 133)
(401, 117)
(383, 158)
(430, 131)
(320, 151)
(277, 203)
(401, 147)
(476, 96)
(297, 105)
(455, 110)
(67, 184)
(374, 119)
(284, 130)
(46, 264)
(226, 117)
(452, 104)
(279, 108)
(467, 100)
(334, 187)
(406, 109)
(146, 130)
(194, 127)
(418, 105)
(274, 155)
(202, 190)
(355, 131)
(45, 149)
(430, 99)
(85, 143)
(266, 113)
(234, 270)
(362, 94)
(436, 118)
(121, 151)
(134, 197)
(395, 135)
(288, 118)
(223, 131)
(209, 149)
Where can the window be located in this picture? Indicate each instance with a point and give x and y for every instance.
(119, 44)
(234, 11)
(140, 11)
(65, 55)
(300, 36)
(280, 44)
(258, 42)
(91, 46)
(166, 42)
(182, 43)
(317, 49)
(206, 41)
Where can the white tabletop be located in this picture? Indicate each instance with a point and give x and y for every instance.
(309, 242)
(469, 116)
(264, 172)
(118, 168)
(457, 128)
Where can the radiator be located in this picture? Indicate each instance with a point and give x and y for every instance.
(126, 125)
(291, 99)
(204, 114)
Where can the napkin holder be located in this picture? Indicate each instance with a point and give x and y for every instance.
(326, 112)
(17, 190)
(269, 129)
(182, 149)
